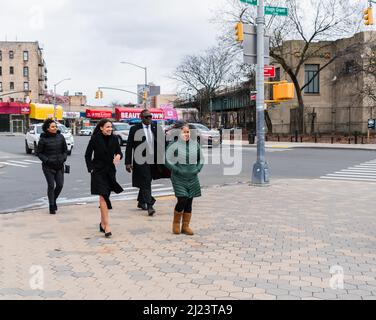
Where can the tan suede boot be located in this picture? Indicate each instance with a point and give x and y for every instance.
(185, 228)
(177, 222)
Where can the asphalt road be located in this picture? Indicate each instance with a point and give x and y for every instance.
(22, 184)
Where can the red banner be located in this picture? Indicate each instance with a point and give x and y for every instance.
(134, 113)
(98, 114)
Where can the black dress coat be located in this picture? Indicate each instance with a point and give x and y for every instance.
(144, 173)
(101, 166)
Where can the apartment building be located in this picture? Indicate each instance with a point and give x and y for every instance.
(23, 72)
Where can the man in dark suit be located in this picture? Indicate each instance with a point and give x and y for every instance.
(141, 159)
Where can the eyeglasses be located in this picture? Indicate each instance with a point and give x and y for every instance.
(148, 117)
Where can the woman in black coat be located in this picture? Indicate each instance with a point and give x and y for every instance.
(107, 154)
(53, 152)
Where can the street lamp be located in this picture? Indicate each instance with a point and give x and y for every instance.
(55, 85)
(146, 73)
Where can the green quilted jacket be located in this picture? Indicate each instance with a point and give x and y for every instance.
(185, 160)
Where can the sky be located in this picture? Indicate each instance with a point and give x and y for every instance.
(86, 40)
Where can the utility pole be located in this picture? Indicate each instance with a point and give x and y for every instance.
(260, 176)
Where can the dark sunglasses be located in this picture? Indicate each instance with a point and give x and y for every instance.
(148, 117)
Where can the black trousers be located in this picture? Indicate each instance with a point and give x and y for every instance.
(55, 183)
(144, 196)
(184, 204)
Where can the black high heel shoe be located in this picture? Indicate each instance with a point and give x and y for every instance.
(108, 234)
(101, 228)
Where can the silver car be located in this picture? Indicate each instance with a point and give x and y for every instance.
(206, 136)
(121, 130)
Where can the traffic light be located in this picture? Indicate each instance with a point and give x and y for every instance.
(239, 32)
(368, 16)
(283, 91)
(145, 95)
(99, 94)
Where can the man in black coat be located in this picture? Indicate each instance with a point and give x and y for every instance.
(143, 155)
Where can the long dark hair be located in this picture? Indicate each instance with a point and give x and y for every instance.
(101, 124)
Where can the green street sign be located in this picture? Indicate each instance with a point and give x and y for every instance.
(252, 2)
(276, 11)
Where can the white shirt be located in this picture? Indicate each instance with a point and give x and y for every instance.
(149, 136)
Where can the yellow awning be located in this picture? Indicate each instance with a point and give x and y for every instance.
(40, 111)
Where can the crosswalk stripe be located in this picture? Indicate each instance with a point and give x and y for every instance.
(348, 178)
(32, 161)
(357, 173)
(18, 162)
(362, 172)
(351, 175)
(13, 164)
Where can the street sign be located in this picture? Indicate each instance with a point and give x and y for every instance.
(253, 97)
(250, 45)
(252, 2)
(269, 71)
(371, 123)
(276, 11)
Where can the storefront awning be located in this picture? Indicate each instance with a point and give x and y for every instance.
(45, 111)
(14, 108)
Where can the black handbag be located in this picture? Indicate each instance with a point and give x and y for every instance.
(67, 169)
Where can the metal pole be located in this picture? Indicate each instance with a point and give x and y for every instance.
(211, 111)
(146, 86)
(55, 102)
(260, 175)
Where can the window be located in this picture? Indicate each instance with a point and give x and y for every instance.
(312, 76)
(11, 54)
(26, 86)
(1, 71)
(1, 87)
(277, 74)
(11, 86)
(1, 55)
(26, 71)
(11, 70)
(26, 55)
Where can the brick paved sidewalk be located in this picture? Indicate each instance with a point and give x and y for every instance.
(277, 242)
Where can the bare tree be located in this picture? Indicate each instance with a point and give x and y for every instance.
(309, 21)
(201, 75)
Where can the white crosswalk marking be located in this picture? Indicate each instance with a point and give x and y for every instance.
(363, 172)
(13, 164)
(20, 163)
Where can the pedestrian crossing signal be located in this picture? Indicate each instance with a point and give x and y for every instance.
(368, 16)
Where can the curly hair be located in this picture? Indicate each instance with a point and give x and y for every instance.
(46, 124)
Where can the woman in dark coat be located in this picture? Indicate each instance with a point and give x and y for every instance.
(107, 154)
(185, 160)
(52, 151)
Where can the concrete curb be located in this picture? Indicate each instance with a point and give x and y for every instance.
(313, 147)
(289, 145)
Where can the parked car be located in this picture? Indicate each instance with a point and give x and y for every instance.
(206, 136)
(33, 136)
(121, 130)
(87, 131)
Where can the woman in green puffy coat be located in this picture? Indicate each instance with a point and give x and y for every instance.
(185, 160)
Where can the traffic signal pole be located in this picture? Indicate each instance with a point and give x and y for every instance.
(260, 176)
